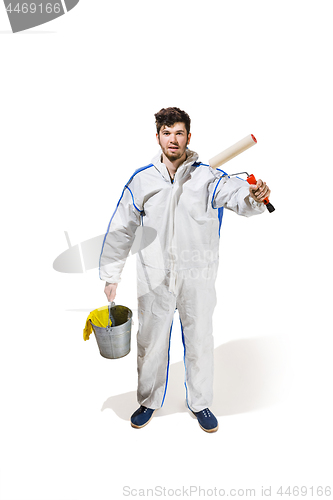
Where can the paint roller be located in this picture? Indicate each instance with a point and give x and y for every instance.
(234, 150)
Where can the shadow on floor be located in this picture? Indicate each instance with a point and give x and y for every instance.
(250, 374)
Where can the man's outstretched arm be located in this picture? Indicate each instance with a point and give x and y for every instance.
(237, 195)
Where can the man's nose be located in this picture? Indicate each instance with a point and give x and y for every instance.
(173, 138)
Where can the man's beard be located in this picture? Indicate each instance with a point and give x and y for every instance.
(173, 156)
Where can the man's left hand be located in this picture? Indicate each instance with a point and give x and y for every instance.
(259, 191)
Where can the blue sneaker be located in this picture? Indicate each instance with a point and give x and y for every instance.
(141, 417)
(207, 421)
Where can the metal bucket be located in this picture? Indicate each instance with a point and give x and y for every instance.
(115, 341)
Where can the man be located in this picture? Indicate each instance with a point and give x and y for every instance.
(182, 200)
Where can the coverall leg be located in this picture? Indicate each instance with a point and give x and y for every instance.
(195, 303)
(156, 310)
(195, 300)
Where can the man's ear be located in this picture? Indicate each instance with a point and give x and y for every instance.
(157, 138)
(188, 138)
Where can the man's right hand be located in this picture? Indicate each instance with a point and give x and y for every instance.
(110, 291)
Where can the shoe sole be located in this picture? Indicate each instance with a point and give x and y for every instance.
(140, 426)
(209, 430)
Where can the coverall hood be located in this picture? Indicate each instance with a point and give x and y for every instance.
(191, 157)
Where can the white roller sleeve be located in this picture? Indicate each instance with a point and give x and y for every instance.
(233, 151)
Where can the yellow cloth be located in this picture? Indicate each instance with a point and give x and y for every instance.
(99, 317)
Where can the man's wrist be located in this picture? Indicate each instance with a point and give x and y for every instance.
(256, 204)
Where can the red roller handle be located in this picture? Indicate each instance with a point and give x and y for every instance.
(252, 180)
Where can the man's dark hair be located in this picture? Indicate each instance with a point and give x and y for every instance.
(169, 116)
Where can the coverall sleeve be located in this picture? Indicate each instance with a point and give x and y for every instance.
(234, 194)
(119, 238)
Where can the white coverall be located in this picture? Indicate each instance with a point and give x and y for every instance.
(177, 270)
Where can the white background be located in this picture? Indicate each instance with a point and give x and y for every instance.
(78, 97)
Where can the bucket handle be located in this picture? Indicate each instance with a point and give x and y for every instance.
(111, 318)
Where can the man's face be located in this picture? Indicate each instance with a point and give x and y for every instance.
(173, 140)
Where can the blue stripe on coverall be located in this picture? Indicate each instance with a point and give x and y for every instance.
(167, 375)
(220, 209)
(183, 340)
